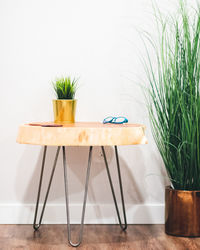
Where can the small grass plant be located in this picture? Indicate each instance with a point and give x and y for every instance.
(174, 97)
(65, 88)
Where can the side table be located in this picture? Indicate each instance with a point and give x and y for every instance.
(80, 134)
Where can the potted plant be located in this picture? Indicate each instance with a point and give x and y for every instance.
(174, 109)
(65, 105)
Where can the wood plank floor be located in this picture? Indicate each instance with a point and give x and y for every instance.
(105, 237)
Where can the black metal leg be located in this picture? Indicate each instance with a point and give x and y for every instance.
(123, 226)
(35, 225)
(84, 200)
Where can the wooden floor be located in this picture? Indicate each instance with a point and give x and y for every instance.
(105, 237)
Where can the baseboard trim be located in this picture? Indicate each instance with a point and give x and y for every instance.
(95, 214)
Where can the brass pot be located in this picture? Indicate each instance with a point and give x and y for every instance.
(64, 111)
(182, 210)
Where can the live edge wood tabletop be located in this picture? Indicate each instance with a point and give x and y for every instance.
(82, 134)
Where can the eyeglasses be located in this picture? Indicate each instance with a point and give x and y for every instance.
(115, 120)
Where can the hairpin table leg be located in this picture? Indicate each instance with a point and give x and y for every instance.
(84, 200)
(123, 227)
(36, 226)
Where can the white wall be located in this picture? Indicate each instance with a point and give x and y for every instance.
(98, 41)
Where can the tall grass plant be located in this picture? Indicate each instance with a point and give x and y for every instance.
(174, 96)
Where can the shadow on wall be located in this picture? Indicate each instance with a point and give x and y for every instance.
(99, 190)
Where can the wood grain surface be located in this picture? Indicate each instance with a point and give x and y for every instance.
(82, 134)
(97, 237)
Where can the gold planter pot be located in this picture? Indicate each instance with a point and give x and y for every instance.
(64, 111)
(182, 212)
